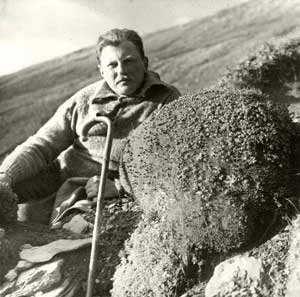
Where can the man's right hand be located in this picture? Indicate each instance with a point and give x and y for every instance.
(6, 179)
(8, 200)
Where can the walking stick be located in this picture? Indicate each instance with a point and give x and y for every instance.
(100, 203)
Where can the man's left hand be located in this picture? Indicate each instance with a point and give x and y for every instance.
(92, 188)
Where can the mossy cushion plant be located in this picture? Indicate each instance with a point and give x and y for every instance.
(208, 169)
(149, 266)
(273, 68)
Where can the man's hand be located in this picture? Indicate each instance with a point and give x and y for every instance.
(92, 187)
(5, 179)
(8, 201)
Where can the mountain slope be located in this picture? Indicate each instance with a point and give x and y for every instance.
(191, 57)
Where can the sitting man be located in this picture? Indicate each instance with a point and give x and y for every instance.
(127, 94)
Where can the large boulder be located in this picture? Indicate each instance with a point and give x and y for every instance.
(209, 171)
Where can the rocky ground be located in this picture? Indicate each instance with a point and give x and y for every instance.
(65, 274)
(268, 269)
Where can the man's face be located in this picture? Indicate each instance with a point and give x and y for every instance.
(122, 67)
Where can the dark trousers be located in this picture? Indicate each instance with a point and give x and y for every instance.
(37, 194)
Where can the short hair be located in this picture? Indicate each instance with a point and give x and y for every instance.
(116, 36)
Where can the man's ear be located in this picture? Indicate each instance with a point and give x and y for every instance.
(146, 62)
(100, 69)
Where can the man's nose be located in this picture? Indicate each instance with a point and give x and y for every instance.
(122, 69)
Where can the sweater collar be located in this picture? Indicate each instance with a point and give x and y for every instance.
(151, 79)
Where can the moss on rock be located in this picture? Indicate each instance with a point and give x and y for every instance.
(273, 68)
(208, 169)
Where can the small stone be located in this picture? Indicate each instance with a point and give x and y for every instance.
(109, 227)
(47, 252)
(70, 286)
(23, 265)
(11, 275)
(6, 287)
(38, 279)
(26, 246)
(77, 225)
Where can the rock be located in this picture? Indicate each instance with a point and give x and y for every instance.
(25, 246)
(11, 275)
(273, 254)
(47, 252)
(23, 265)
(293, 262)
(40, 278)
(238, 271)
(67, 288)
(77, 225)
(6, 288)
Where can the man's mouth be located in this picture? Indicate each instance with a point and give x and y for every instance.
(123, 81)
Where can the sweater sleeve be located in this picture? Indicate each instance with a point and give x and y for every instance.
(173, 94)
(41, 149)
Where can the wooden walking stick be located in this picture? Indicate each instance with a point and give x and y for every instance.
(100, 201)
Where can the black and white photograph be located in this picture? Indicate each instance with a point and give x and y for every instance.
(149, 148)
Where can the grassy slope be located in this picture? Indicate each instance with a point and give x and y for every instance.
(191, 56)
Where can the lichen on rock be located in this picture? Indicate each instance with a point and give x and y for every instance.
(238, 276)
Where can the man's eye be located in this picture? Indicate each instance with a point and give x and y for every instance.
(129, 60)
(112, 65)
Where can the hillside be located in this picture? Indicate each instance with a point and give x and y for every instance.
(191, 57)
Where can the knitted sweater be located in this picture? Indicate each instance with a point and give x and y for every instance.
(61, 137)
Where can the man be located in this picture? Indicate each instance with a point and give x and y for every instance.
(127, 94)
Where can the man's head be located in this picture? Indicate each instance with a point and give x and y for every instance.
(121, 60)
